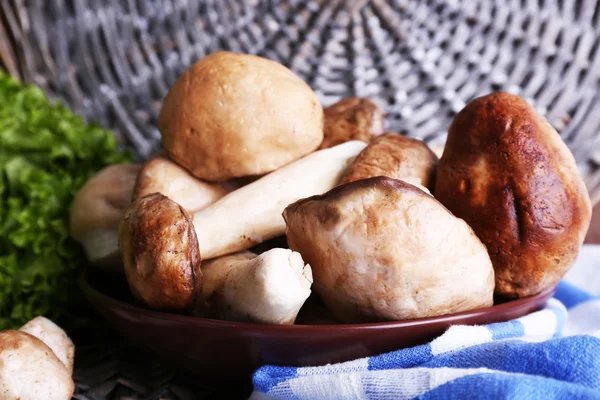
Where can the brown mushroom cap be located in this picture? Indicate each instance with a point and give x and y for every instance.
(30, 370)
(382, 249)
(353, 118)
(507, 172)
(232, 115)
(160, 253)
(395, 156)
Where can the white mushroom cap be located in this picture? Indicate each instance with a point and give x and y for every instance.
(30, 369)
(54, 337)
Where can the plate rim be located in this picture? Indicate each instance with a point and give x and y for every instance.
(91, 292)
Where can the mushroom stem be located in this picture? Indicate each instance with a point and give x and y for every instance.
(252, 214)
(269, 288)
(162, 175)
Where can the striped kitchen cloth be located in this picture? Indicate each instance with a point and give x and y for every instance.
(553, 353)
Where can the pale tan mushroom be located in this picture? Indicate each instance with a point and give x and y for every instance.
(232, 115)
(382, 249)
(395, 156)
(54, 337)
(161, 175)
(30, 368)
(96, 211)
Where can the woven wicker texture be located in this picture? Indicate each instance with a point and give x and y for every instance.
(113, 61)
(423, 60)
(109, 368)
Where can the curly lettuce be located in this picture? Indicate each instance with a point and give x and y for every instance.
(46, 154)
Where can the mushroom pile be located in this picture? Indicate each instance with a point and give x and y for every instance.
(262, 197)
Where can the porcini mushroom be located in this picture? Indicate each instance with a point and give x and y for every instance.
(160, 253)
(252, 214)
(506, 171)
(30, 369)
(395, 156)
(382, 249)
(97, 210)
(269, 288)
(352, 118)
(231, 115)
(162, 244)
(54, 337)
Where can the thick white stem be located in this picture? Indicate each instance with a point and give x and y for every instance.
(269, 288)
(252, 214)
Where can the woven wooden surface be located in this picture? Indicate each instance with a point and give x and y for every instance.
(108, 368)
(423, 60)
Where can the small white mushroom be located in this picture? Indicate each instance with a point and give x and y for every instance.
(54, 337)
(269, 288)
(32, 369)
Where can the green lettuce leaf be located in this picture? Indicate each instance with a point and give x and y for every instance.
(46, 154)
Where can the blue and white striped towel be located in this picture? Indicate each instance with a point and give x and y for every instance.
(553, 353)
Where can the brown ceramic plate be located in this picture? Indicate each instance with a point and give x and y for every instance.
(220, 348)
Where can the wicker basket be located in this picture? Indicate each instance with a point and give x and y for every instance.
(113, 61)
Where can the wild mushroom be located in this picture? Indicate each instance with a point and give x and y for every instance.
(96, 211)
(160, 253)
(352, 118)
(231, 115)
(506, 171)
(382, 249)
(54, 337)
(395, 156)
(161, 243)
(30, 369)
(252, 214)
(269, 288)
